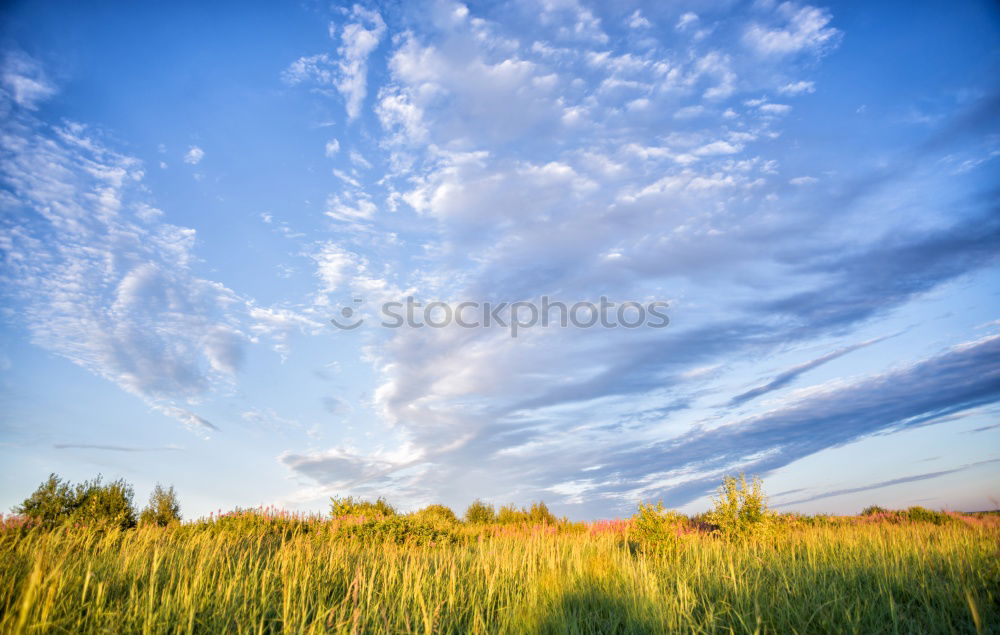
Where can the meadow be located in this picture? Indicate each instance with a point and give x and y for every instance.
(264, 571)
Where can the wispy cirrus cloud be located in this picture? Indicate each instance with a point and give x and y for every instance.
(889, 483)
(114, 448)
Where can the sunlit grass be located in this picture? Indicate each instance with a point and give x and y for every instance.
(306, 577)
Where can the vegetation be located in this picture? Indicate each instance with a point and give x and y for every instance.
(437, 514)
(480, 513)
(349, 506)
(57, 502)
(740, 511)
(741, 569)
(655, 528)
(163, 508)
(537, 514)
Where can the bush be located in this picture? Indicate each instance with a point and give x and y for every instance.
(874, 510)
(399, 530)
(163, 508)
(480, 512)
(436, 514)
(56, 502)
(740, 510)
(924, 515)
(655, 527)
(348, 506)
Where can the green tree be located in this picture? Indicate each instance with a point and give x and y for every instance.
(108, 504)
(91, 502)
(51, 504)
(480, 512)
(539, 514)
(163, 508)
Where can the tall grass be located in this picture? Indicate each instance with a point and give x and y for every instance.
(308, 576)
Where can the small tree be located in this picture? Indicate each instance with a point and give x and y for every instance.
(510, 515)
(163, 508)
(110, 505)
(741, 509)
(51, 504)
(539, 514)
(480, 512)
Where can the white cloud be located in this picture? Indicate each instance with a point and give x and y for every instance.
(803, 180)
(319, 68)
(194, 155)
(802, 29)
(332, 263)
(348, 73)
(716, 148)
(637, 21)
(358, 40)
(279, 324)
(686, 20)
(797, 88)
(573, 20)
(357, 207)
(689, 112)
(332, 148)
(25, 81)
(359, 160)
(775, 109)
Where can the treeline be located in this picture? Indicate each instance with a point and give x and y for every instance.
(59, 502)
(739, 512)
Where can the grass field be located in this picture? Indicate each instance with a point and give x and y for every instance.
(259, 573)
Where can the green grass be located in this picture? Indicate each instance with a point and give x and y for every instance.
(309, 577)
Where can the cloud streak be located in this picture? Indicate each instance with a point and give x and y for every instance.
(896, 481)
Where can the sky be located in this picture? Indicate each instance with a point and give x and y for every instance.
(191, 192)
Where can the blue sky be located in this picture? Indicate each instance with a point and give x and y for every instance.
(190, 192)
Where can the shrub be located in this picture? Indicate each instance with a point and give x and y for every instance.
(873, 510)
(91, 503)
(436, 514)
(480, 512)
(655, 527)
(923, 515)
(349, 506)
(399, 530)
(740, 509)
(163, 508)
